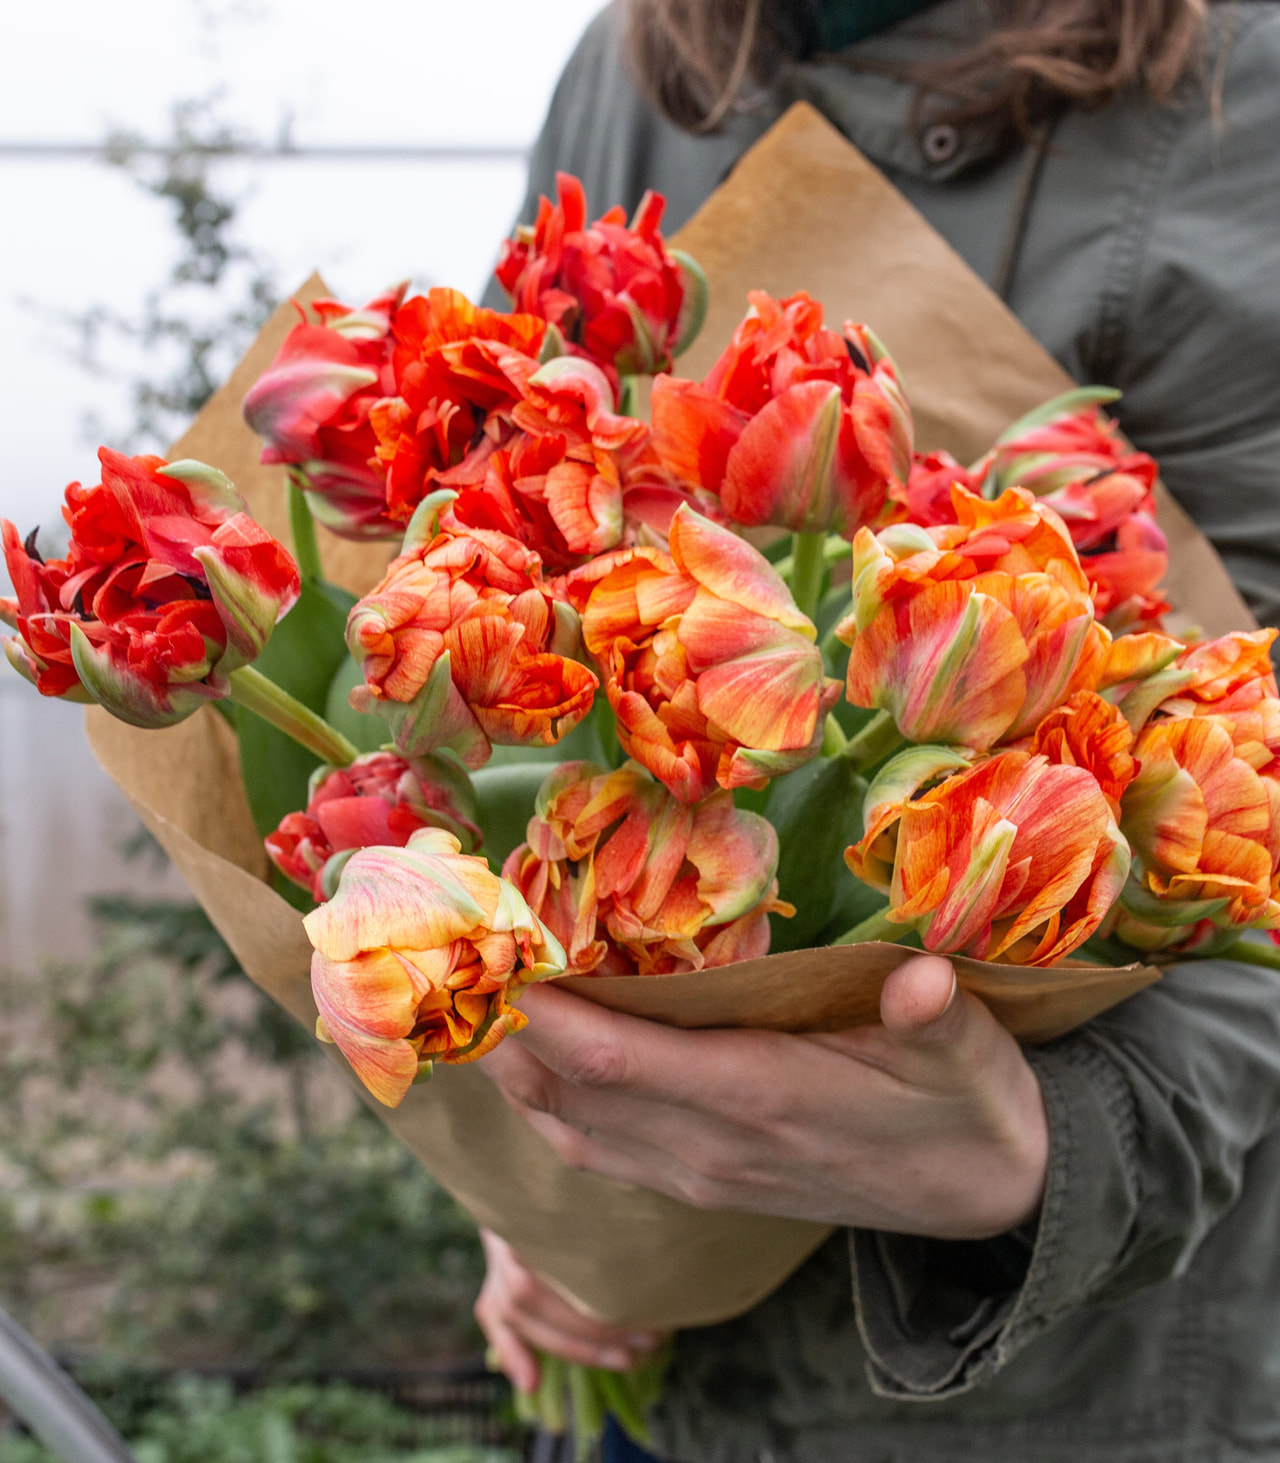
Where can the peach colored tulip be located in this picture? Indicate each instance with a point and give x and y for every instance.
(417, 958)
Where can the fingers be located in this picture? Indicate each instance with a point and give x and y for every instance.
(518, 1311)
(918, 1001)
(590, 1047)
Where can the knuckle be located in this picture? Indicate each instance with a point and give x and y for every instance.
(602, 1064)
(530, 1089)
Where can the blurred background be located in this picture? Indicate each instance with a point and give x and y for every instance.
(193, 1213)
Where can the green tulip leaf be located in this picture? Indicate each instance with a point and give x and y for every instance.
(367, 732)
(817, 812)
(504, 796)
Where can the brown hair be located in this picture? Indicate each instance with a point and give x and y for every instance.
(697, 59)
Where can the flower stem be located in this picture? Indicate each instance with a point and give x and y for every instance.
(808, 569)
(302, 529)
(874, 742)
(834, 740)
(1254, 953)
(252, 690)
(875, 927)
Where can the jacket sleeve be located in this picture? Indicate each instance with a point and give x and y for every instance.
(1153, 1107)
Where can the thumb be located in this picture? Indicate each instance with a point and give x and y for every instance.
(921, 1004)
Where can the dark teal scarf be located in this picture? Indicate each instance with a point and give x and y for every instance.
(839, 23)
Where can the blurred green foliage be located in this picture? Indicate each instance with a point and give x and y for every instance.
(199, 1421)
(185, 1176)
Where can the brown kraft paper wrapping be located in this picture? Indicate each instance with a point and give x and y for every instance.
(803, 210)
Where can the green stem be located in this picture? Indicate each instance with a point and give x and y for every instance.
(874, 927)
(627, 403)
(252, 690)
(874, 742)
(833, 551)
(1254, 953)
(302, 528)
(834, 740)
(808, 569)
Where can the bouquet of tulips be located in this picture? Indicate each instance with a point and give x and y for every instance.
(645, 697)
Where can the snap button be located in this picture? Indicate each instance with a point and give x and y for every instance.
(940, 143)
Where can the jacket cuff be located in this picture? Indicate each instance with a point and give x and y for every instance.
(939, 1317)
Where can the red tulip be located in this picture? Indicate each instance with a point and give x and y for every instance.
(615, 293)
(630, 880)
(1067, 440)
(380, 798)
(795, 425)
(312, 408)
(463, 644)
(710, 669)
(457, 370)
(167, 587)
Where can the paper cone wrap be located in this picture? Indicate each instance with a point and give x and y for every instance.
(803, 210)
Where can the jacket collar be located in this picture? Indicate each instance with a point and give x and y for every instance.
(866, 91)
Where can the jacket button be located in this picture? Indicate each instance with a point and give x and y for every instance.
(940, 143)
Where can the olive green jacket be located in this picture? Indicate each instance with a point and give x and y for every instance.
(1140, 1318)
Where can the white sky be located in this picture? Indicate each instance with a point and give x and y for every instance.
(77, 233)
(74, 234)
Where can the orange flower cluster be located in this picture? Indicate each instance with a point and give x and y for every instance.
(1045, 764)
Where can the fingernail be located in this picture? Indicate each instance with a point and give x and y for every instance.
(615, 1359)
(642, 1340)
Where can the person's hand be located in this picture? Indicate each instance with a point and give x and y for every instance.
(929, 1123)
(519, 1312)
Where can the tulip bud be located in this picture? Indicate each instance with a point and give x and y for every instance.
(380, 798)
(418, 955)
(710, 668)
(633, 881)
(312, 407)
(1066, 440)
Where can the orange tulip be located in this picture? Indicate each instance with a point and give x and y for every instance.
(972, 632)
(630, 880)
(1205, 829)
(417, 957)
(795, 425)
(1017, 858)
(1230, 677)
(711, 670)
(462, 644)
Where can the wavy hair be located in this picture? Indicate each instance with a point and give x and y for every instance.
(698, 59)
